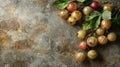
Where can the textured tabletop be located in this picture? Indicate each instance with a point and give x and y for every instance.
(33, 35)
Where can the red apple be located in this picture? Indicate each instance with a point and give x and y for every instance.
(72, 6)
(83, 45)
(95, 5)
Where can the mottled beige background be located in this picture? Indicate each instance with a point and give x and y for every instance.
(32, 35)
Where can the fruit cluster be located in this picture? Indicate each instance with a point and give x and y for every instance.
(73, 14)
(89, 39)
(99, 36)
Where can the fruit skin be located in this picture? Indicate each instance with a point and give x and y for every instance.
(87, 10)
(102, 40)
(95, 5)
(100, 31)
(92, 41)
(81, 34)
(107, 7)
(83, 45)
(64, 14)
(92, 54)
(80, 57)
(106, 24)
(72, 6)
(112, 36)
(77, 15)
(71, 20)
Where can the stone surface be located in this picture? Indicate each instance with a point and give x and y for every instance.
(32, 35)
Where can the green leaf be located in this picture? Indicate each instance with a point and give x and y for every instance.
(96, 13)
(98, 22)
(92, 24)
(86, 26)
(106, 15)
(61, 4)
(93, 15)
(92, 21)
(81, 1)
(90, 17)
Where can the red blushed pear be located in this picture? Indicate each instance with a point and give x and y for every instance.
(72, 6)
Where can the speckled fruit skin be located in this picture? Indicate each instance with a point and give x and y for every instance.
(71, 20)
(112, 36)
(77, 15)
(100, 31)
(92, 54)
(102, 40)
(106, 24)
(92, 41)
(81, 34)
(72, 6)
(107, 7)
(80, 57)
(87, 10)
(64, 14)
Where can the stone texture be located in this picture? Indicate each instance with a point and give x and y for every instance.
(32, 35)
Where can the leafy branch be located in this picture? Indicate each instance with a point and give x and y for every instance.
(94, 19)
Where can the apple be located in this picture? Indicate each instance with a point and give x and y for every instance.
(72, 6)
(83, 45)
(95, 5)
